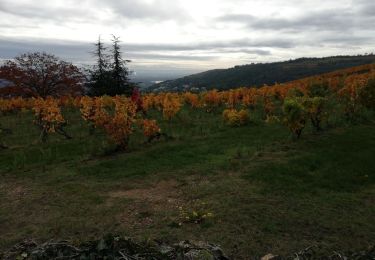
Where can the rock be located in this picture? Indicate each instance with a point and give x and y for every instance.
(270, 257)
(114, 247)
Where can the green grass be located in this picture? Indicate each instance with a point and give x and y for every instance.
(267, 192)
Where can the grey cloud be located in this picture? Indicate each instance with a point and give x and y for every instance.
(8, 25)
(259, 52)
(365, 7)
(157, 10)
(79, 52)
(347, 28)
(347, 39)
(164, 57)
(86, 11)
(73, 51)
(45, 12)
(341, 19)
(222, 45)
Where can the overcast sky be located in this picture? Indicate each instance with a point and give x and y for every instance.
(189, 35)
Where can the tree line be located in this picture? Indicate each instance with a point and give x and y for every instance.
(40, 74)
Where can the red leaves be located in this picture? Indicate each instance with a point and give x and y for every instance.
(41, 75)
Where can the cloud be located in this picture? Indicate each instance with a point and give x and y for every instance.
(222, 46)
(346, 39)
(320, 21)
(202, 34)
(164, 57)
(78, 51)
(91, 10)
(366, 7)
(9, 48)
(346, 27)
(335, 20)
(141, 9)
(43, 11)
(259, 52)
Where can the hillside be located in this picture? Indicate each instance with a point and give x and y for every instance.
(264, 73)
(3, 83)
(254, 170)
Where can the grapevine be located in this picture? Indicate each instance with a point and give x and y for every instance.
(48, 118)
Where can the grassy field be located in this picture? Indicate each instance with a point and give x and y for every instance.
(267, 192)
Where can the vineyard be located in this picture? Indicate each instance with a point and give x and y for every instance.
(294, 104)
(192, 165)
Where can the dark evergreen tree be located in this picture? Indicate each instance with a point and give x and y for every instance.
(120, 73)
(100, 75)
(109, 76)
(102, 58)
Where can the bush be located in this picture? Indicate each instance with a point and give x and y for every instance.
(48, 118)
(119, 127)
(295, 92)
(315, 109)
(234, 117)
(318, 90)
(294, 116)
(367, 94)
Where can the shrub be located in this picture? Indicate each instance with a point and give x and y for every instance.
(93, 111)
(192, 99)
(119, 127)
(171, 105)
(151, 130)
(294, 116)
(48, 118)
(351, 98)
(234, 117)
(367, 94)
(318, 90)
(315, 109)
(212, 99)
(295, 92)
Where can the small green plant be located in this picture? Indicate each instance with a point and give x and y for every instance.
(294, 116)
(198, 215)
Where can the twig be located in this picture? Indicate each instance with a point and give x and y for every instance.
(126, 256)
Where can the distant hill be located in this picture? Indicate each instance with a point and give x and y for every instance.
(4, 83)
(262, 73)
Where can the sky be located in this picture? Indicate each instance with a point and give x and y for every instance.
(170, 37)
